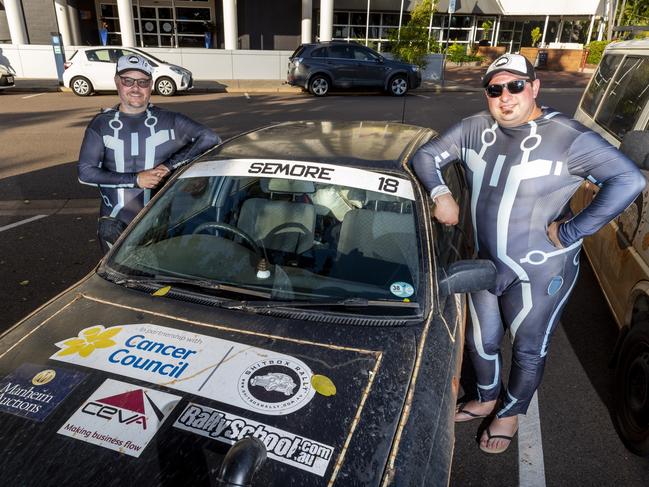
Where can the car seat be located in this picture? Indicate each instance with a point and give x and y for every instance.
(280, 225)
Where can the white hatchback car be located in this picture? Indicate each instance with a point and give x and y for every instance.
(92, 69)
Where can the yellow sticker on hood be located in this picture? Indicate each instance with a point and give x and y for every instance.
(323, 385)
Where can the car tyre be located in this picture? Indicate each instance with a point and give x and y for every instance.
(319, 85)
(631, 390)
(81, 86)
(165, 86)
(398, 85)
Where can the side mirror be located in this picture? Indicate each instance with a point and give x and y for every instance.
(635, 145)
(380, 60)
(467, 276)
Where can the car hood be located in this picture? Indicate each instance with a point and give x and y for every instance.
(327, 399)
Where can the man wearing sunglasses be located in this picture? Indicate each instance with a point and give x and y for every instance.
(130, 149)
(523, 164)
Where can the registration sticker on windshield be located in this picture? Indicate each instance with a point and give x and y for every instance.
(305, 171)
(402, 289)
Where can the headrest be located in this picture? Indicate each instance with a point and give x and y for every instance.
(286, 186)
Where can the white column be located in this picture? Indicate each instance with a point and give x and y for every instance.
(126, 26)
(590, 29)
(307, 21)
(600, 31)
(367, 23)
(496, 32)
(61, 11)
(16, 21)
(326, 19)
(230, 30)
(545, 30)
(75, 29)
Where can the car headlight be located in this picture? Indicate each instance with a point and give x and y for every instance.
(177, 70)
(297, 61)
(414, 68)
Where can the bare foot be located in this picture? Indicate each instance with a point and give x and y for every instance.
(467, 411)
(495, 437)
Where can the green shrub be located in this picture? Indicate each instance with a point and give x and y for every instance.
(596, 49)
(457, 54)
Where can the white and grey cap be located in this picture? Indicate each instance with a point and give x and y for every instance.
(512, 63)
(134, 62)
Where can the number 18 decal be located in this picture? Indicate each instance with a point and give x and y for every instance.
(388, 185)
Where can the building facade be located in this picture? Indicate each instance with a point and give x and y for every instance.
(283, 24)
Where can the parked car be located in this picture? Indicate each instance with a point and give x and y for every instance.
(322, 66)
(92, 69)
(7, 77)
(616, 105)
(286, 295)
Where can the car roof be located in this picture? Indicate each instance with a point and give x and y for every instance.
(368, 144)
(632, 44)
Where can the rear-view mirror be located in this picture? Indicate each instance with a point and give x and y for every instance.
(467, 276)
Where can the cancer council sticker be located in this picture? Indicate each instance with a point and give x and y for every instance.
(251, 378)
(121, 417)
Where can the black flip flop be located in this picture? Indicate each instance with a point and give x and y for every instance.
(472, 416)
(497, 450)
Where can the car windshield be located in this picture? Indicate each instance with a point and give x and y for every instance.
(285, 231)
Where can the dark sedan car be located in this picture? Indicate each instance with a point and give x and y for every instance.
(322, 66)
(282, 313)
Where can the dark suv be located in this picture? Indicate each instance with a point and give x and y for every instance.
(322, 66)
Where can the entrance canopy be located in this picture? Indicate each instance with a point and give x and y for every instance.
(528, 8)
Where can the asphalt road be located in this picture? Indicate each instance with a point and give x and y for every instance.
(47, 242)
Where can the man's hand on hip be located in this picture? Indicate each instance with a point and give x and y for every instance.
(446, 209)
(553, 234)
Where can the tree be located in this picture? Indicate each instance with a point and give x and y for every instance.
(535, 35)
(412, 44)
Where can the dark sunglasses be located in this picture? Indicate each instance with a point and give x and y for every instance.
(514, 87)
(128, 82)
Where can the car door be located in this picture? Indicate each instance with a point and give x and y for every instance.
(100, 69)
(368, 68)
(340, 62)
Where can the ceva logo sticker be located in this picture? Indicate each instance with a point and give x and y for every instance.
(233, 373)
(120, 417)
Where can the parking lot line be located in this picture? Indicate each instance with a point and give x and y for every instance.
(21, 222)
(531, 469)
(32, 96)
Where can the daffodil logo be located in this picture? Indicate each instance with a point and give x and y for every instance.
(88, 340)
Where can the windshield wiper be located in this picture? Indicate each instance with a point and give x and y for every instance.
(351, 302)
(203, 284)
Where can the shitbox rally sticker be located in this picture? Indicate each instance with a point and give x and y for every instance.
(33, 391)
(230, 372)
(280, 445)
(120, 416)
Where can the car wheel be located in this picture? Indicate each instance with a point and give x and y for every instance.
(631, 390)
(81, 86)
(319, 85)
(398, 85)
(165, 86)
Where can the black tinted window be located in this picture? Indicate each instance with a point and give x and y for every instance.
(361, 54)
(320, 52)
(627, 97)
(297, 52)
(600, 82)
(340, 51)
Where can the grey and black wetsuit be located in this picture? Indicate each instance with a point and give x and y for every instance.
(521, 180)
(117, 146)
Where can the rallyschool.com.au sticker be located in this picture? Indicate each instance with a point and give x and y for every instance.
(33, 391)
(402, 289)
(280, 445)
(233, 373)
(120, 417)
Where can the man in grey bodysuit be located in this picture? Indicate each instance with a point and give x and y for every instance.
(523, 163)
(128, 150)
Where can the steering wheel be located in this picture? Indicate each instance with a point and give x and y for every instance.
(303, 230)
(233, 230)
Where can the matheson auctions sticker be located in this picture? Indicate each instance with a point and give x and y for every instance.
(120, 417)
(229, 372)
(280, 445)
